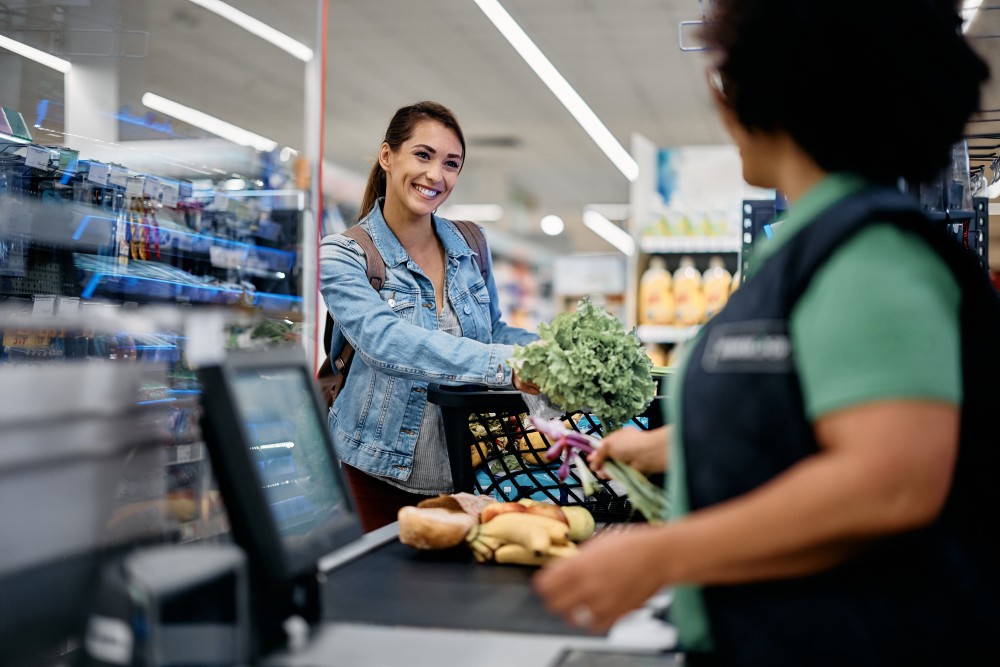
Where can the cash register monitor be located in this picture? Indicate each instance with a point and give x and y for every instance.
(287, 501)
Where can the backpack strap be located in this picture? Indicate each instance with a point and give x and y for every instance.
(473, 235)
(376, 276)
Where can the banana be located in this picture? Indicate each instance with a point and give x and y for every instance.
(535, 533)
(515, 554)
(483, 546)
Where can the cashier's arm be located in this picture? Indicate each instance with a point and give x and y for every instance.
(882, 468)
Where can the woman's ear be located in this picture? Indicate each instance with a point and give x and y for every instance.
(385, 156)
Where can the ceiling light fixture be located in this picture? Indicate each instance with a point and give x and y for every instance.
(259, 28)
(970, 9)
(228, 131)
(564, 92)
(552, 225)
(475, 212)
(609, 231)
(32, 53)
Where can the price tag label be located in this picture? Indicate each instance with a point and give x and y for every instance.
(170, 193)
(152, 188)
(118, 176)
(44, 305)
(98, 173)
(37, 157)
(183, 453)
(68, 158)
(134, 186)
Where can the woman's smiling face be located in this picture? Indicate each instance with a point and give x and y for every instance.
(422, 173)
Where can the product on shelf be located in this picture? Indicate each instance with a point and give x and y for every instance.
(688, 295)
(717, 283)
(656, 298)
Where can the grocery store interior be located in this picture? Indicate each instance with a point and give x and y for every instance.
(167, 170)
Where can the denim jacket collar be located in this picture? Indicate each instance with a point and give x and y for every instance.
(392, 250)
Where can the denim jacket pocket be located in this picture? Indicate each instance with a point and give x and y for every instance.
(403, 305)
(480, 306)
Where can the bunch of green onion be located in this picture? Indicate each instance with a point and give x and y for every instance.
(649, 499)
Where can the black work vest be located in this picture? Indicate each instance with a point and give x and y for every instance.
(912, 598)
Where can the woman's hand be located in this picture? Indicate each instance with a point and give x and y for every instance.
(609, 577)
(646, 451)
(523, 386)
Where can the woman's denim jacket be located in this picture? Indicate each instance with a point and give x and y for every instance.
(398, 349)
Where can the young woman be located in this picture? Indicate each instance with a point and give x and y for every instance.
(435, 320)
(832, 486)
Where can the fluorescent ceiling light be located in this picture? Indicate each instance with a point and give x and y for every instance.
(610, 211)
(259, 28)
(609, 231)
(970, 9)
(36, 55)
(551, 77)
(235, 134)
(552, 225)
(476, 212)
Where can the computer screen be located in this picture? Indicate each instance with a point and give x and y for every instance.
(278, 473)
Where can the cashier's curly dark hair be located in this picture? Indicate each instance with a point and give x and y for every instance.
(881, 88)
(400, 129)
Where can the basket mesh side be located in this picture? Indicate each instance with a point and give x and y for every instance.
(509, 461)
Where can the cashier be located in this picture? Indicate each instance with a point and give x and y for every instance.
(830, 455)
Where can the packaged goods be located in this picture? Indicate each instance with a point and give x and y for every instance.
(717, 284)
(689, 298)
(656, 299)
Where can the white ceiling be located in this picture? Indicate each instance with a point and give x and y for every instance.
(621, 56)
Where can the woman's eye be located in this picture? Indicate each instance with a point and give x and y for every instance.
(452, 164)
(423, 155)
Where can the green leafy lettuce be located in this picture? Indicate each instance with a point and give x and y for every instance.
(585, 360)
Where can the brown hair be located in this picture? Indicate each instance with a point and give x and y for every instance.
(399, 131)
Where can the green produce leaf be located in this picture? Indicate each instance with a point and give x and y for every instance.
(585, 360)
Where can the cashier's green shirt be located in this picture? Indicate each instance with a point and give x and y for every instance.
(879, 321)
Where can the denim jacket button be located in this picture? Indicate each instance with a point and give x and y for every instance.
(468, 309)
(499, 377)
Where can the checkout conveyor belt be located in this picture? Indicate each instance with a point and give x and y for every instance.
(397, 585)
(388, 605)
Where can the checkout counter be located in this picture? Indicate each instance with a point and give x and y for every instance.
(395, 605)
(370, 600)
(295, 583)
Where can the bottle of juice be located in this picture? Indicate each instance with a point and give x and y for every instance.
(688, 295)
(717, 283)
(656, 300)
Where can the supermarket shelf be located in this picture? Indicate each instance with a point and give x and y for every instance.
(163, 282)
(259, 260)
(652, 333)
(692, 244)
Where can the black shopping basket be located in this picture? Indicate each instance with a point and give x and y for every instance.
(494, 450)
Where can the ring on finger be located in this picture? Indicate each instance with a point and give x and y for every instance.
(582, 616)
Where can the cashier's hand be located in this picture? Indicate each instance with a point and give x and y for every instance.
(523, 386)
(610, 576)
(646, 451)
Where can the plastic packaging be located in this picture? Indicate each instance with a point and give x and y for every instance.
(717, 282)
(656, 299)
(688, 296)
